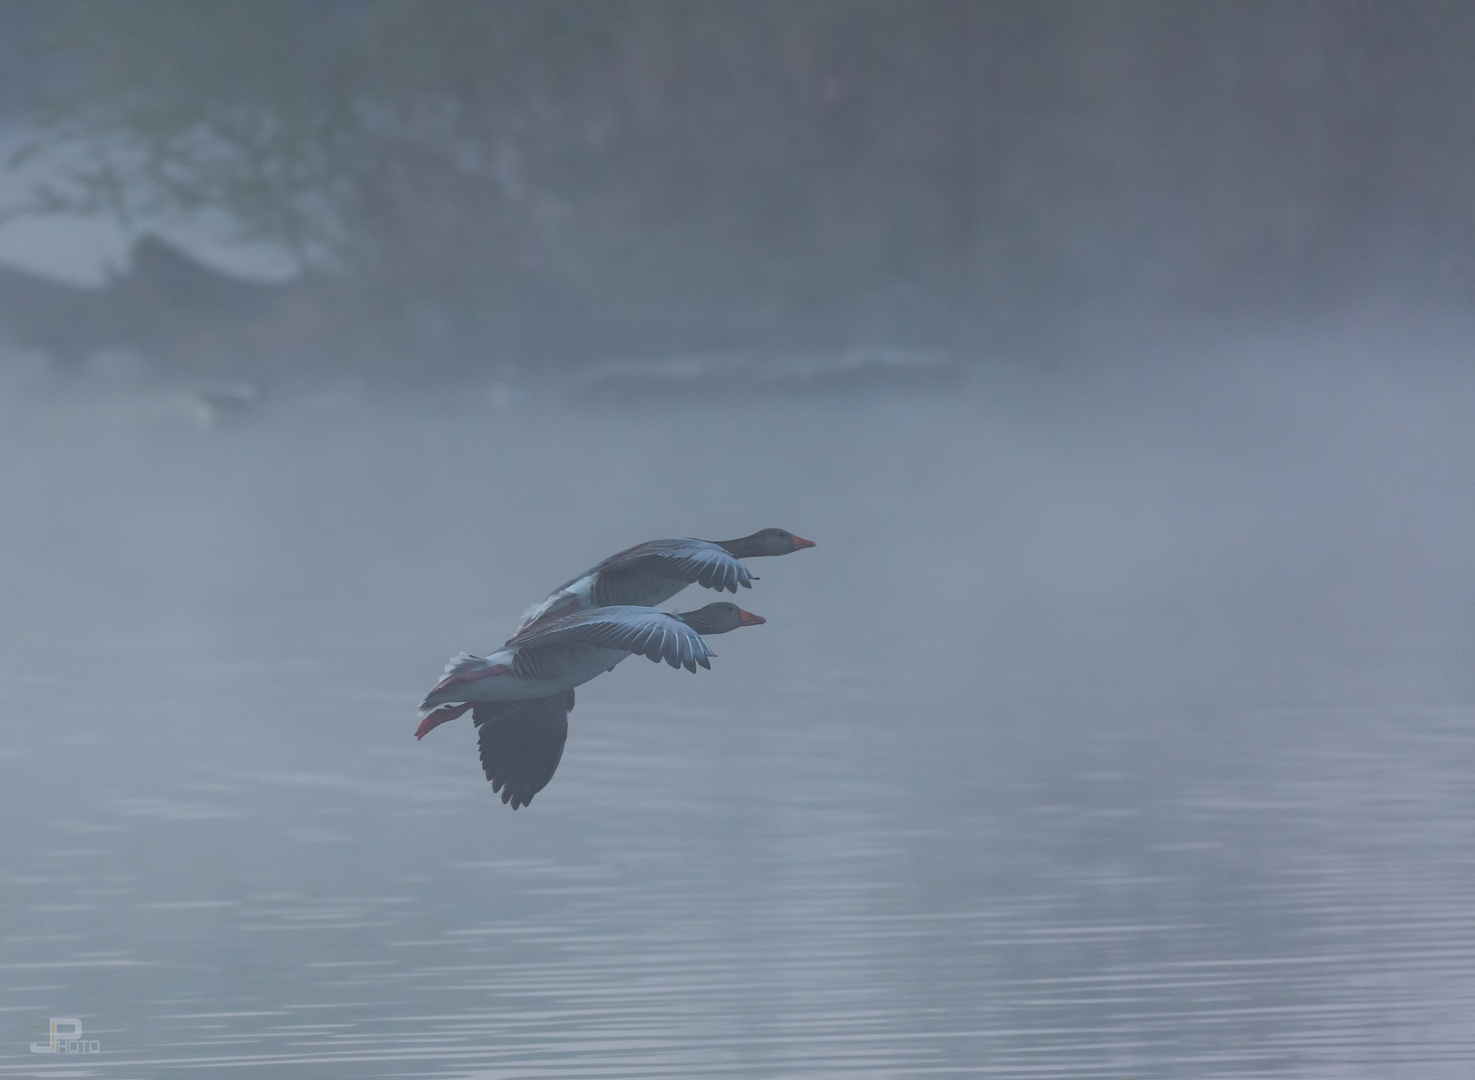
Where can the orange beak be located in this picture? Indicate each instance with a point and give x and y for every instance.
(747, 618)
(800, 542)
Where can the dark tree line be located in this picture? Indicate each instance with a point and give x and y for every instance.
(557, 180)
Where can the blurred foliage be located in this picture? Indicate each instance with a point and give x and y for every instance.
(687, 172)
(302, 122)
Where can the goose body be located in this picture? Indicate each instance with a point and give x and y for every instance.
(651, 573)
(566, 652)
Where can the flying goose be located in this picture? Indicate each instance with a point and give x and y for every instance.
(651, 573)
(521, 695)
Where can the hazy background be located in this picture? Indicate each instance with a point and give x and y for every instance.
(1117, 356)
(552, 185)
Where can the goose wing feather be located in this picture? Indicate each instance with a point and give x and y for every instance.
(521, 743)
(699, 562)
(647, 632)
(643, 575)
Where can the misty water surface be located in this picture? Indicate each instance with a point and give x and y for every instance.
(1121, 725)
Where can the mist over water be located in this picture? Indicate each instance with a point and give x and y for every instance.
(1117, 357)
(1120, 725)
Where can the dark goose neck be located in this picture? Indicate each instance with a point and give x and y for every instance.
(701, 621)
(744, 547)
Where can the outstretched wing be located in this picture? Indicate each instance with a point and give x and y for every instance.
(644, 575)
(698, 562)
(522, 743)
(641, 630)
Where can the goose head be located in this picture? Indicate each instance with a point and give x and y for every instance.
(765, 542)
(719, 618)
